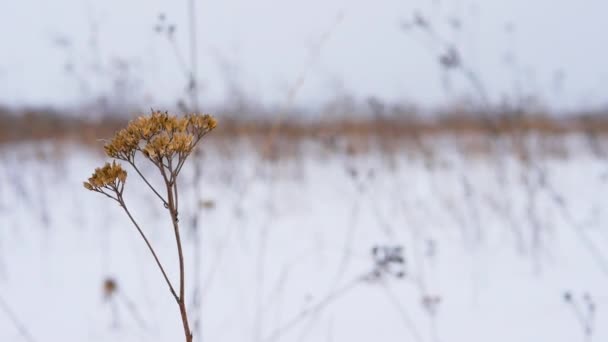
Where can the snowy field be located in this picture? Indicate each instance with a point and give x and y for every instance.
(495, 249)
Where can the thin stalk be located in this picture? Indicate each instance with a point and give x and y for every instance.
(182, 295)
(160, 266)
(409, 323)
(149, 185)
(176, 196)
(193, 86)
(313, 310)
(18, 324)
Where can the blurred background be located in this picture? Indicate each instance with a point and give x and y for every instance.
(425, 170)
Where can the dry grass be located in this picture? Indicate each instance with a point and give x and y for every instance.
(359, 134)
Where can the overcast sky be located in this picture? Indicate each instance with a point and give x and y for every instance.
(64, 51)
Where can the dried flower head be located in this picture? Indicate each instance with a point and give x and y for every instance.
(166, 141)
(109, 287)
(159, 136)
(110, 176)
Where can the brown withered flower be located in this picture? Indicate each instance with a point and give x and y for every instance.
(110, 287)
(166, 141)
(110, 177)
(160, 136)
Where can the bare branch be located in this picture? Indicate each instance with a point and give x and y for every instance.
(143, 235)
(18, 324)
(146, 181)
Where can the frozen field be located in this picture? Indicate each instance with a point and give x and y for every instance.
(493, 248)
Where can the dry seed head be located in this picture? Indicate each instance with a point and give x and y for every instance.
(158, 147)
(160, 134)
(108, 176)
(109, 287)
(181, 142)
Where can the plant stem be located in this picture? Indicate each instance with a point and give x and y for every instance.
(160, 266)
(148, 183)
(193, 86)
(18, 324)
(182, 296)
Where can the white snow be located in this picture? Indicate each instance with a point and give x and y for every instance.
(288, 236)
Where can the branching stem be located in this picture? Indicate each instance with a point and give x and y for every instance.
(143, 235)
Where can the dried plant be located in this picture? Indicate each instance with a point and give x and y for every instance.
(388, 262)
(23, 331)
(166, 141)
(584, 308)
(113, 295)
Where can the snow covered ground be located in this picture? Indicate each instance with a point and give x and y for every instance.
(286, 249)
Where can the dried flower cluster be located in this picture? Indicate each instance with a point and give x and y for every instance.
(160, 136)
(166, 141)
(111, 177)
(388, 261)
